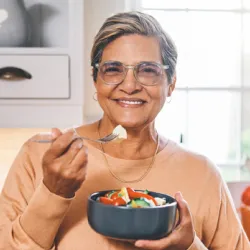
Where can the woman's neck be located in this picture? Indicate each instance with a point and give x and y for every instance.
(141, 142)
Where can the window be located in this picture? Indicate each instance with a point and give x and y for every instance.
(210, 107)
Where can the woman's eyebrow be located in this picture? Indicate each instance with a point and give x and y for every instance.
(134, 63)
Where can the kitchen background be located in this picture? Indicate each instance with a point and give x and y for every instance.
(209, 112)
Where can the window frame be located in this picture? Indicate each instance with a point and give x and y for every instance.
(242, 89)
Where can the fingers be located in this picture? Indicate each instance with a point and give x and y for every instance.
(177, 219)
(60, 145)
(76, 155)
(64, 164)
(79, 163)
(55, 132)
(80, 158)
(182, 235)
(155, 244)
(184, 213)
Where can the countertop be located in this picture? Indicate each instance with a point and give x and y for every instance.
(11, 139)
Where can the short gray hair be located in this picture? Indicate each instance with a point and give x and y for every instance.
(129, 23)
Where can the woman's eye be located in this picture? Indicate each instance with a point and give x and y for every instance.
(112, 70)
(148, 70)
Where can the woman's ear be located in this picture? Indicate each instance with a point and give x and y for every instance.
(172, 86)
(92, 75)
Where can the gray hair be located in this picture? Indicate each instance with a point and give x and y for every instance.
(129, 23)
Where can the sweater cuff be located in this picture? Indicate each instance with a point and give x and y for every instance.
(197, 245)
(43, 216)
(22, 240)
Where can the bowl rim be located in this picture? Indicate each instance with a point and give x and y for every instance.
(172, 204)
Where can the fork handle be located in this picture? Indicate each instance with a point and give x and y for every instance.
(83, 138)
(89, 139)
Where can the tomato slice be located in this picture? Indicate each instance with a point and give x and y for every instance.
(106, 200)
(130, 190)
(119, 202)
(245, 197)
(133, 195)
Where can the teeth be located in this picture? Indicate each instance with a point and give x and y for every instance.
(131, 102)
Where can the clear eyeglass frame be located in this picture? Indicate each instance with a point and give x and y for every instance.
(134, 68)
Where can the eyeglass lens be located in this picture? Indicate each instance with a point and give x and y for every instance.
(115, 72)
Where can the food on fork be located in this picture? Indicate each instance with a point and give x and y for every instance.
(122, 133)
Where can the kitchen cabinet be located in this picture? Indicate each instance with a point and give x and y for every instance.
(53, 95)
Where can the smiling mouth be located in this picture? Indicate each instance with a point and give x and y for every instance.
(129, 103)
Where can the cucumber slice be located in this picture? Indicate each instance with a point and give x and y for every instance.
(140, 202)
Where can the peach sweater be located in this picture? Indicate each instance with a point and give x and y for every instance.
(33, 218)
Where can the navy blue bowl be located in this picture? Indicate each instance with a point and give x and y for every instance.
(132, 223)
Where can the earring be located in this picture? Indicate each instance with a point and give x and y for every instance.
(95, 96)
(169, 99)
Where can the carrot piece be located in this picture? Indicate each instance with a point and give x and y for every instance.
(106, 200)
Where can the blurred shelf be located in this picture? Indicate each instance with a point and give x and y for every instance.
(33, 51)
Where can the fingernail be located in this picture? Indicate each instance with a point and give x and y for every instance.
(78, 144)
(75, 134)
(53, 134)
(180, 194)
(177, 195)
(138, 244)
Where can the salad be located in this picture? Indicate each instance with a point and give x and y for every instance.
(128, 197)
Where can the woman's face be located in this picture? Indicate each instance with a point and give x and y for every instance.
(130, 103)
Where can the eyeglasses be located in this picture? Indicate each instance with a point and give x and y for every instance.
(146, 73)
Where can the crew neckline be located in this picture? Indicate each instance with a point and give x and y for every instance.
(168, 150)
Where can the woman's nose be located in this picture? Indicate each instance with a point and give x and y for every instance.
(130, 84)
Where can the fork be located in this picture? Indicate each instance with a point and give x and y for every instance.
(114, 135)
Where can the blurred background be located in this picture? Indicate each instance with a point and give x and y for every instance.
(209, 111)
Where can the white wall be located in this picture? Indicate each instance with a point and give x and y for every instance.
(96, 12)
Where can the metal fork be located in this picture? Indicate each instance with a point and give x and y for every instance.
(104, 139)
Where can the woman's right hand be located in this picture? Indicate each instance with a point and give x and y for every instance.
(64, 164)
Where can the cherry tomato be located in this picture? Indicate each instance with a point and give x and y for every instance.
(245, 197)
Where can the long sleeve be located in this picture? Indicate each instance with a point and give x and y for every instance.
(222, 229)
(229, 233)
(30, 214)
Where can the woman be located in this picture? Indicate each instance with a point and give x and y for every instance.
(43, 203)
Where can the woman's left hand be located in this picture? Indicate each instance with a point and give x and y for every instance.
(182, 236)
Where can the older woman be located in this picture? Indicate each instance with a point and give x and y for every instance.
(43, 202)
